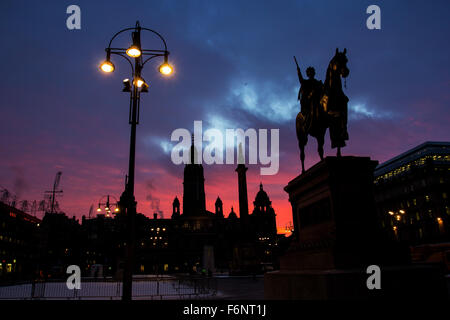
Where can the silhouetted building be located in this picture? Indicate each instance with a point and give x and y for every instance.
(411, 194)
(193, 186)
(61, 244)
(263, 216)
(176, 208)
(198, 239)
(219, 208)
(101, 243)
(19, 244)
(194, 240)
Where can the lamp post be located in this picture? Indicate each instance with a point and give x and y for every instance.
(109, 207)
(135, 87)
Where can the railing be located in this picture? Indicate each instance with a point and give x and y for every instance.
(109, 289)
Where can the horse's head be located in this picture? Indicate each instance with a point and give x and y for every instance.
(339, 63)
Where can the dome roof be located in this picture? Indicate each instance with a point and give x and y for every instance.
(261, 196)
(232, 214)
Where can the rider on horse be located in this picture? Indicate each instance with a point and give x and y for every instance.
(309, 95)
(323, 106)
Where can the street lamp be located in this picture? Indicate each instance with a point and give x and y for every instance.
(109, 207)
(165, 68)
(397, 216)
(136, 86)
(134, 51)
(107, 66)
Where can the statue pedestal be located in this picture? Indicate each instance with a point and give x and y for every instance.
(337, 237)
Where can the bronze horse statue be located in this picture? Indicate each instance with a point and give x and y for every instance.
(323, 106)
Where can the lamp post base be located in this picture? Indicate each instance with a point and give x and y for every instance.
(128, 204)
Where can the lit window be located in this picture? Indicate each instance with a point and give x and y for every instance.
(427, 198)
(444, 195)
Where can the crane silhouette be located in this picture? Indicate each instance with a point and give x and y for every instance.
(52, 194)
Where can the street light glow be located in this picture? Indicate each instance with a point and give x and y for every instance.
(133, 51)
(139, 82)
(165, 69)
(107, 66)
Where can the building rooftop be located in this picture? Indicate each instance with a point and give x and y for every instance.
(425, 149)
(18, 214)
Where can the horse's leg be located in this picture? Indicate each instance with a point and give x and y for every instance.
(302, 156)
(320, 143)
(338, 151)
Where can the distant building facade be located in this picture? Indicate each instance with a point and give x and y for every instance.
(196, 239)
(193, 240)
(19, 244)
(412, 194)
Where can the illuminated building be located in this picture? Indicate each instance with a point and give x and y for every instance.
(412, 194)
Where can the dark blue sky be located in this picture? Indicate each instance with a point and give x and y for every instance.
(234, 69)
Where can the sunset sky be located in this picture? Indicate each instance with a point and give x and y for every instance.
(233, 69)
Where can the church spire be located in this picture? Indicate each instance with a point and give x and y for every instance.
(193, 185)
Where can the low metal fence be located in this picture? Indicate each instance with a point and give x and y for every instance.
(109, 289)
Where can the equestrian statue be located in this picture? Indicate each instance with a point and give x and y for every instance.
(323, 106)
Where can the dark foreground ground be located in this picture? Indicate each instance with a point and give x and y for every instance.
(240, 288)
